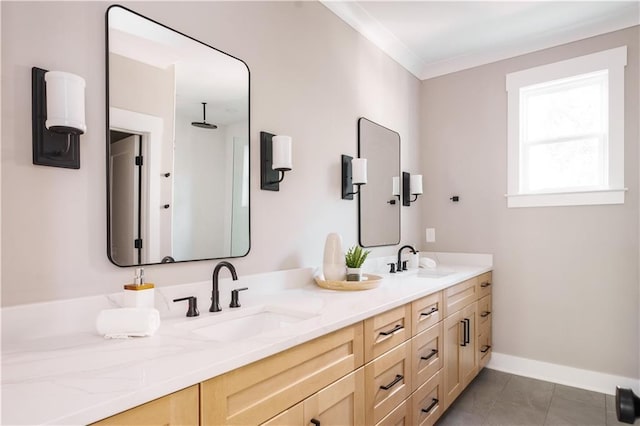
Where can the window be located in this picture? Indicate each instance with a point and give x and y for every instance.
(566, 132)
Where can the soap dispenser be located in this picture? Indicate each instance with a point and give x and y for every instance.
(139, 294)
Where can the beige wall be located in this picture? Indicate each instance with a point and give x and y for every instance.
(312, 77)
(566, 277)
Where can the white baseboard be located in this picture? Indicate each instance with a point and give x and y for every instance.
(561, 374)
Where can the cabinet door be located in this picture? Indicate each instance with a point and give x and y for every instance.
(179, 408)
(426, 354)
(400, 416)
(468, 354)
(485, 282)
(257, 392)
(426, 312)
(387, 382)
(460, 295)
(386, 330)
(453, 341)
(341, 403)
(294, 416)
(427, 402)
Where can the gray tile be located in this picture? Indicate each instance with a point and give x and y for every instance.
(494, 376)
(479, 396)
(455, 416)
(510, 413)
(594, 399)
(564, 411)
(529, 392)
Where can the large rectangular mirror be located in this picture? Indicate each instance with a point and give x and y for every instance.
(379, 204)
(177, 146)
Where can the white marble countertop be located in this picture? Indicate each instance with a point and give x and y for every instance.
(75, 376)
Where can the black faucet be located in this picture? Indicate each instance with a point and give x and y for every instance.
(215, 294)
(399, 267)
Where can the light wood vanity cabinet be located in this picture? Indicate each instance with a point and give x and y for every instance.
(259, 391)
(179, 409)
(401, 367)
(337, 404)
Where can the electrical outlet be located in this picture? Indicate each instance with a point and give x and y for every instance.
(431, 235)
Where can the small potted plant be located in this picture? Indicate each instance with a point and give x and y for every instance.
(354, 259)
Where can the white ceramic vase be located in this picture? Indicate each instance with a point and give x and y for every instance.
(333, 266)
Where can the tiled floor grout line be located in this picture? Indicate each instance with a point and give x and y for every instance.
(546, 414)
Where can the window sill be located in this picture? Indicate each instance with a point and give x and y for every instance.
(605, 196)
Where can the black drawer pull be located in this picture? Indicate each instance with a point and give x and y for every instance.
(485, 314)
(434, 402)
(464, 333)
(468, 330)
(392, 384)
(393, 330)
(485, 284)
(315, 422)
(431, 355)
(485, 348)
(426, 314)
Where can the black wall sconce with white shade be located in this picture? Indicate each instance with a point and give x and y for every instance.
(411, 186)
(58, 117)
(275, 160)
(354, 173)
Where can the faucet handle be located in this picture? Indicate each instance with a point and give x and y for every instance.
(393, 268)
(404, 265)
(235, 303)
(193, 305)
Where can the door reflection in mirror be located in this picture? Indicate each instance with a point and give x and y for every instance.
(186, 195)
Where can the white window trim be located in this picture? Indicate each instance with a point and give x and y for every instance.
(613, 60)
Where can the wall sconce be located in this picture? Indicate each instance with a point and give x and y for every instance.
(57, 116)
(411, 185)
(354, 172)
(275, 160)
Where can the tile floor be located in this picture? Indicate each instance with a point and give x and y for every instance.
(496, 398)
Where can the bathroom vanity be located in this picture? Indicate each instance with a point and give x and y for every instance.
(404, 350)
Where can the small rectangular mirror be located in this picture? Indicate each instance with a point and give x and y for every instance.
(177, 146)
(379, 202)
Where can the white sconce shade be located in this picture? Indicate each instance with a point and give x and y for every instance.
(57, 116)
(359, 171)
(416, 184)
(396, 186)
(282, 153)
(65, 103)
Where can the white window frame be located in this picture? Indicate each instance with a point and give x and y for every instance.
(612, 60)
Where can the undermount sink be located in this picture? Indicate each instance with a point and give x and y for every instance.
(245, 323)
(434, 273)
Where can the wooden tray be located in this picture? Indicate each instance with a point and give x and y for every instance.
(372, 281)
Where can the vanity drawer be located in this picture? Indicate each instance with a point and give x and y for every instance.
(484, 310)
(178, 408)
(484, 347)
(261, 390)
(426, 354)
(386, 330)
(400, 416)
(387, 382)
(426, 312)
(460, 295)
(485, 282)
(427, 403)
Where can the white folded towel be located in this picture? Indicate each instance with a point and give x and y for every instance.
(125, 322)
(427, 262)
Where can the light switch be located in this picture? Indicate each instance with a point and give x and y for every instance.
(431, 235)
